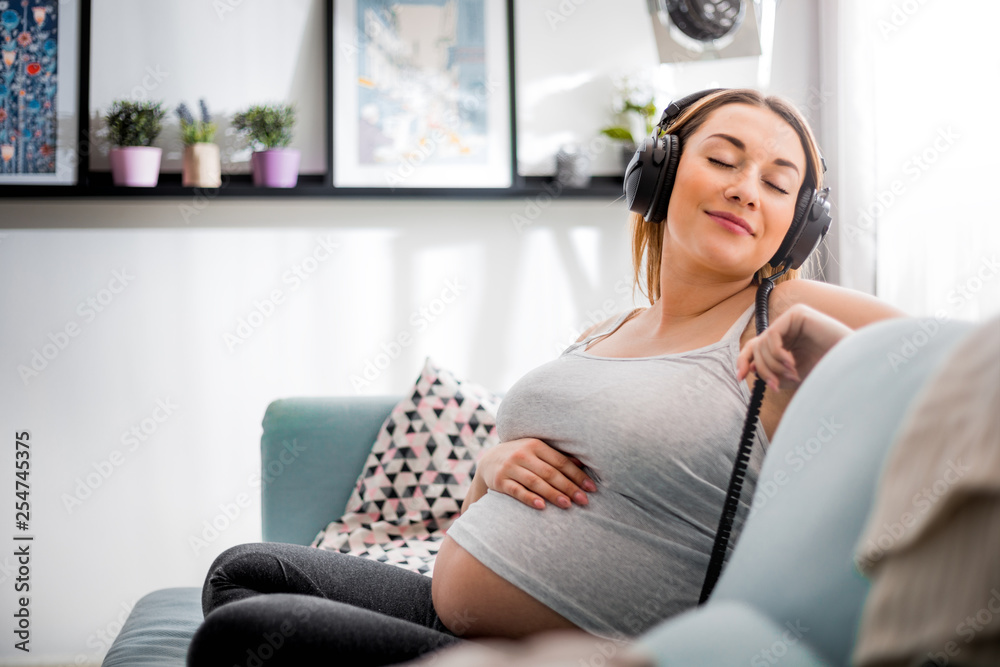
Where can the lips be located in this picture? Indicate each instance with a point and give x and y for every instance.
(734, 219)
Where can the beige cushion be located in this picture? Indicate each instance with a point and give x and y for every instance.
(931, 546)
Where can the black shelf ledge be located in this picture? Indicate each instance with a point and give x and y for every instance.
(100, 186)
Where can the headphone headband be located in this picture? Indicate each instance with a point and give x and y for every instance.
(674, 109)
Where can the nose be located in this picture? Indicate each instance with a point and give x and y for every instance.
(744, 189)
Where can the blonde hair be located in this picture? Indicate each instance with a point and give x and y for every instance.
(647, 237)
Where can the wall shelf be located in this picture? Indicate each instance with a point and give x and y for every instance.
(98, 184)
(241, 186)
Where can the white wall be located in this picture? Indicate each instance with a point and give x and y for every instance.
(525, 293)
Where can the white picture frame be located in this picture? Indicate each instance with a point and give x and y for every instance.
(421, 94)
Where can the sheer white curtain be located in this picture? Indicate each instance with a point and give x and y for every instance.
(912, 86)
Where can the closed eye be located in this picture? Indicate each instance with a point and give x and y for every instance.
(729, 166)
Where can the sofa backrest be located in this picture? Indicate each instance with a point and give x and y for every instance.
(312, 451)
(794, 558)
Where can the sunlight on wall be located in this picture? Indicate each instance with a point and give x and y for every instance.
(938, 243)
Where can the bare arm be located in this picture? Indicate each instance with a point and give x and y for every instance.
(853, 308)
(476, 491)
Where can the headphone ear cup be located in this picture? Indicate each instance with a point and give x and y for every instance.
(641, 176)
(665, 183)
(802, 205)
(811, 223)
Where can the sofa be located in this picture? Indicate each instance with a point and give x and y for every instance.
(790, 590)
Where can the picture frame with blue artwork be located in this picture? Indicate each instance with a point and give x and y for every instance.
(422, 94)
(40, 91)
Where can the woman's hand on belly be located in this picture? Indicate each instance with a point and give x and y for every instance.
(474, 601)
(532, 471)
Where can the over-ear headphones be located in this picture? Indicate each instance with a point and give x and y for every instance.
(649, 180)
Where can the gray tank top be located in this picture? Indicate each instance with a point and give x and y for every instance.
(659, 436)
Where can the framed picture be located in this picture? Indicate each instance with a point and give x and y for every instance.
(422, 94)
(39, 91)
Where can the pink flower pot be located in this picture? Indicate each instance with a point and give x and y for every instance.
(135, 166)
(275, 168)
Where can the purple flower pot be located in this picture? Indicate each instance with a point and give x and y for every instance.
(275, 168)
(135, 166)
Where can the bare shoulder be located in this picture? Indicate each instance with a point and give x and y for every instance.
(600, 325)
(853, 308)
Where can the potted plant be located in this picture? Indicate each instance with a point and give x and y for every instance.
(133, 127)
(269, 128)
(635, 113)
(202, 162)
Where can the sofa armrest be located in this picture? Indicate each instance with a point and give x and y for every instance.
(727, 633)
(312, 450)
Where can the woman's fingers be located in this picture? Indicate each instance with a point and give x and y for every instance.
(790, 348)
(766, 357)
(545, 474)
(774, 363)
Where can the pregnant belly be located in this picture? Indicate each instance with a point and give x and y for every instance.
(474, 601)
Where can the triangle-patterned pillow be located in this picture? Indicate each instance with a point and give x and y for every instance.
(418, 473)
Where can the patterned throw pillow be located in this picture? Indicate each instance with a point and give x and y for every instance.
(418, 473)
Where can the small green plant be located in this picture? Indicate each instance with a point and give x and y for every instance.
(623, 132)
(268, 126)
(196, 131)
(134, 123)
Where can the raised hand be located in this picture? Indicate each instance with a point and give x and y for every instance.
(790, 347)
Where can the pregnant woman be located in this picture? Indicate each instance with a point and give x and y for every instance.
(598, 509)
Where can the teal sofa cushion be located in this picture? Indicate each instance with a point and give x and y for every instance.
(158, 630)
(730, 633)
(312, 451)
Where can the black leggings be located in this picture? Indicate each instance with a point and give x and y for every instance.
(269, 604)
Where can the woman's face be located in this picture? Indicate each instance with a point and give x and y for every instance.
(734, 193)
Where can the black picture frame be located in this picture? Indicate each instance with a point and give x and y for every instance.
(50, 45)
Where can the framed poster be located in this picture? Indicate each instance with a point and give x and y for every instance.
(422, 94)
(39, 91)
